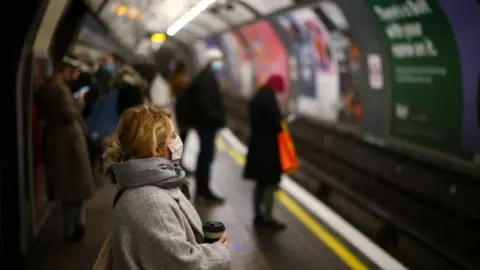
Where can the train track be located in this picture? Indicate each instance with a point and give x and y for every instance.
(420, 230)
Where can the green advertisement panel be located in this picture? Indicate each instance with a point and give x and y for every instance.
(426, 86)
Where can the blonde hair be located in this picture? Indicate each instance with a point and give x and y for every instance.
(140, 128)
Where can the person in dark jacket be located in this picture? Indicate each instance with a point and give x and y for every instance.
(208, 117)
(104, 74)
(263, 160)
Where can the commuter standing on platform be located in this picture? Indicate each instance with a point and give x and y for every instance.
(263, 160)
(104, 74)
(208, 118)
(67, 161)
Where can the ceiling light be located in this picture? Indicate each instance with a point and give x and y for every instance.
(121, 10)
(158, 38)
(189, 16)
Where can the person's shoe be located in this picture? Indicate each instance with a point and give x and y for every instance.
(210, 198)
(274, 225)
(259, 222)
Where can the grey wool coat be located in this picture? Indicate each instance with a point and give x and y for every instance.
(155, 228)
(158, 229)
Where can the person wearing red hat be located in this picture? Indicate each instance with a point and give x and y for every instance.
(263, 160)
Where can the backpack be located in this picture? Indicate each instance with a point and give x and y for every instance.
(104, 260)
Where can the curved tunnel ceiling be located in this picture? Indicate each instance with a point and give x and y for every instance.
(131, 20)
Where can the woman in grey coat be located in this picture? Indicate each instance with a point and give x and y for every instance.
(154, 224)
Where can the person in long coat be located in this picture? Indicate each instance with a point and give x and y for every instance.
(263, 160)
(67, 160)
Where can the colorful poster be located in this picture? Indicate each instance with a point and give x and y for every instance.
(325, 103)
(305, 65)
(293, 67)
(270, 56)
(345, 54)
(464, 18)
(426, 86)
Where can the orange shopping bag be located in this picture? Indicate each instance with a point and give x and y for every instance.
(288, 155)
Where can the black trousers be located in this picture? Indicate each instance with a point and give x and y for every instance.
(205, 159)
(264, 200)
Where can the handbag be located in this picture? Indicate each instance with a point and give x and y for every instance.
(288, 155)
(104, 259)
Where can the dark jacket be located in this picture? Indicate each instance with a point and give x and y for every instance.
(263, 161)
(104, 81)
(87, 79)
(208, 108)
(129, 96)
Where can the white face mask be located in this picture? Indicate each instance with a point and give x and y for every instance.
(176, 148)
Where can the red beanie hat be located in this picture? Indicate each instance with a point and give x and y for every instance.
(276, 83)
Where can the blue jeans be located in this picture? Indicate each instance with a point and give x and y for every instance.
(205, 159)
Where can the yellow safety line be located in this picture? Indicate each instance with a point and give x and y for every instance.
(309, 222)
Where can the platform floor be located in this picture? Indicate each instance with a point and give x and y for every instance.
(295, 248)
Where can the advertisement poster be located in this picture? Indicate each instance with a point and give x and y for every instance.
(302, 72)
(293, 68)
(375, 71)
(464, 18)
(326, 102)
(345, 54)
(270, 56)
(427, 73)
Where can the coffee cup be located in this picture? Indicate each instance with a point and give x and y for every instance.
(212, 231)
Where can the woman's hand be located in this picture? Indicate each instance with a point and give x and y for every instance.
(223, 240)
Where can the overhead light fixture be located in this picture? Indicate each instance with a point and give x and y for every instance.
(121, 10)
(158, 38)
(189, 16)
